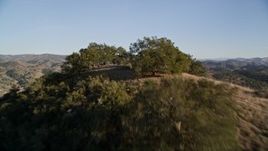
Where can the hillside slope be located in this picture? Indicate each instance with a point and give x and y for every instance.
(251, 110)
(252, 113)
(102, 114)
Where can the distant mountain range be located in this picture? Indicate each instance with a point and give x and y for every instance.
(236, 62)
(247, 72)
(21, 69)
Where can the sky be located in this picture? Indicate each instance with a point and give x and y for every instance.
(202, 28)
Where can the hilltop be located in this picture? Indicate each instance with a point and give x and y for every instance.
(154, 97)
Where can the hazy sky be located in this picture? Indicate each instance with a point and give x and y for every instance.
(203, 28)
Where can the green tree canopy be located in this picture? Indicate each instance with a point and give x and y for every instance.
(197, 68)
(158, 55)
(95, 55)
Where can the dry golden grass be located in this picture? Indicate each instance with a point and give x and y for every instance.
(251, 112)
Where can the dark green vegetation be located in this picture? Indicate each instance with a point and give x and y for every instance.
(158, 56)
(95, 56)
(100, 114)
(20, 70)
(251, 73)
(86, 107)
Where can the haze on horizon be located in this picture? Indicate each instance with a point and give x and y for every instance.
(204, 29)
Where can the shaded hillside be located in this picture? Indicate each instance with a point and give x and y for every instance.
(59, 112)
(22, 69)
(73, 94)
